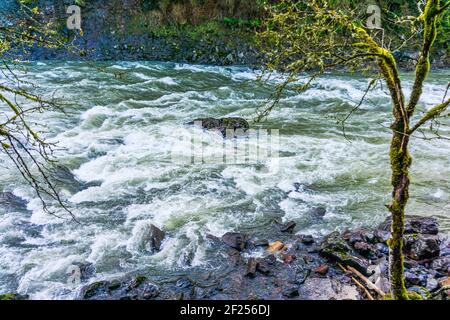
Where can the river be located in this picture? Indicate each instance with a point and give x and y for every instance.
(118, 135)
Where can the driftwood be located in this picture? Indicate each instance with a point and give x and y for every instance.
(438, 292)
(368, 283)
(370, 286)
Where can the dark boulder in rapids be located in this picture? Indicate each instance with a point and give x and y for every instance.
(223, 124)
(235, 240)
(11, 202)
(65, 177)
(154, 238)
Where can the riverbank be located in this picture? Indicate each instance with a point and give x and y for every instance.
(352, 265)
(214, 33)
(291, 266)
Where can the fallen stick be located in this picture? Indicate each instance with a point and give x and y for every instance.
(369, 296)
(438, 292)
(368, 283)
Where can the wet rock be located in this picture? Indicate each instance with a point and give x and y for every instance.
(67, 179)
(235, 240)
(445, 249)
(251, 267)
(410, 264)
(412, 279)
(87, 270)
(261, 243)
(421, 291)
(319, 212)
(420, 247)
(321, 288)
(432, 284)
(275, 247)
(13, 296)
(288, 227)
(183, 283)
(263, 266)
(147, 291)
(306, 239)
(11, 202)
(235, 257)
(382, 249)
(381, 236)
(322, 270)
(127, 288)
(270, 259)
(441, 265)
(335, 249)
(154, 238)
(414, 225)
(99, 289)
(422, 225)
(444, 282)
(359, 235)
(291, 292)
(222, 124)
(288, 257)
(213, 239)
(365, 249)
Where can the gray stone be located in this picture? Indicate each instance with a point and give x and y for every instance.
(235, 240)
(288, 227)
(223, 124)
(420, 247)
(153, 238)
(336, 249)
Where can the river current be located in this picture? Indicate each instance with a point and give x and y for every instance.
(122, 120)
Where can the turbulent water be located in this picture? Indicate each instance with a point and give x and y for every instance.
(121, 124)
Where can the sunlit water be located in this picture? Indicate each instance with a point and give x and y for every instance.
(119, 132)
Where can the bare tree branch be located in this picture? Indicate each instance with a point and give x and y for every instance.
(431, 114)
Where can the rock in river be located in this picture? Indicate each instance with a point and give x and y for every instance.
(223, 124)
(11, 202)
(288, 227)
(152, 238)
(235, 240)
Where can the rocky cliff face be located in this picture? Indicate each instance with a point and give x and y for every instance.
(134, 30)
(219, 32)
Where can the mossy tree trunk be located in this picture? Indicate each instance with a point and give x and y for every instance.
(400, 163)
(300, 30)
(399, 154)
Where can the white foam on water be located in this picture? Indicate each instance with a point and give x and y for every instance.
(123, 137)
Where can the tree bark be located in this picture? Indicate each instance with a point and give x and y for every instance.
(400, 162)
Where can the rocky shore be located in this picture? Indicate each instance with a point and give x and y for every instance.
(288, 266)
(300, 267)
